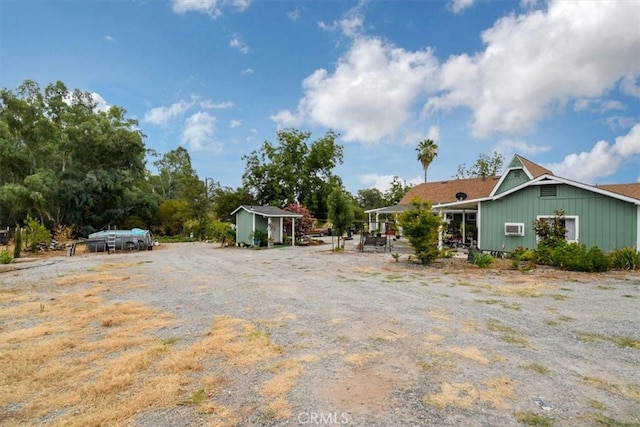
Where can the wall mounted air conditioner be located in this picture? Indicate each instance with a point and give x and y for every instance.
(513, 229)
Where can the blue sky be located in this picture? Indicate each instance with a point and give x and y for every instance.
(557, 82)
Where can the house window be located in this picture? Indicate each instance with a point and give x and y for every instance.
(514, 229)
(571, 224)
(548, 190)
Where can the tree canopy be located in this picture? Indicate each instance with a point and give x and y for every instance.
(63, 160)
(294, 170)
(484, 167)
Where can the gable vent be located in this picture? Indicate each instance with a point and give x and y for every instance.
(548, 190)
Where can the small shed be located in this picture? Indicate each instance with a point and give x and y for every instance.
(266, 219)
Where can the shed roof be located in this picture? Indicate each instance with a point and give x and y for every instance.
(268, 211)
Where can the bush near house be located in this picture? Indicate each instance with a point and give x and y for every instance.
(625, 258)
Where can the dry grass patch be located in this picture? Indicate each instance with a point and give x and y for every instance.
(276, 389)
(90, 279)
(627, 390)
(80, 357)
(360, 360)
(497, 393)
(439, 314)
(471, 353)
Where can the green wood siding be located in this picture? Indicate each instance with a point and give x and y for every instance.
(512, 179)
(516, 163)
(602, 221)
(244, 227)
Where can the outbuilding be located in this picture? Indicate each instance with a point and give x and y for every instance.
(268, 221)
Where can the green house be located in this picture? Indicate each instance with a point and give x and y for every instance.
(266, 219)
(497, 213)
(607, 216)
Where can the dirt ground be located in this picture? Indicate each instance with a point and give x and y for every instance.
(195, 334)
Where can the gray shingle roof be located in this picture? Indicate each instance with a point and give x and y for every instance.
(268, 211)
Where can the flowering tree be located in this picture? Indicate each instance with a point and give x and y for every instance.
(303, 224)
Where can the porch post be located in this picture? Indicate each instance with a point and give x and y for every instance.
(440, 233)
(293, 232)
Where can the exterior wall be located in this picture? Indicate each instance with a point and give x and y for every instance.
(603, 221)
(244, 227)
(513, 179)
(276, 230)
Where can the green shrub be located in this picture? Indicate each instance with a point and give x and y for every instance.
(420, 225)
(545, 252)
(5, 257)
(483, 260)
(35, 233)
(260, 237)
(220, 232)
(598, 260)
(625, 258)
(523, 255)
(576, 257)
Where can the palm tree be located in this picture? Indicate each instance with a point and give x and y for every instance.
(427, 151)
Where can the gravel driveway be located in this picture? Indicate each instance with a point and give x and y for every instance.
(375, 342)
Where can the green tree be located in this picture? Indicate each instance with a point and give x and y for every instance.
(340, 213)
(71, 164)
(172, 216)
(225, 200)
(421, 227)
(397, 191)
(427, 151)
(294, 170)
(371, 198)
(175, 173)
(484, 167)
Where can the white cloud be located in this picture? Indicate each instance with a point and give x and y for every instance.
(603, 159)
(371, 93)
(383, 182)
(620, 122)
(294, 15)
(413, 138)
(582, 104)
(210, 7)
(238, 44)
(629, 144)
(109, 38)
(611, 105)
(213, 8)
(161, 116)
(534, 63)
(351, 24)
(456, 6)
(101, 104)
(629, 86)
(246, 72)
(208, 105)
(508, 147)
(199, 133)
(241, 5)
(235, 123)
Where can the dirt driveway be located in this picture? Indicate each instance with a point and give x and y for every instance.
(194, 334)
